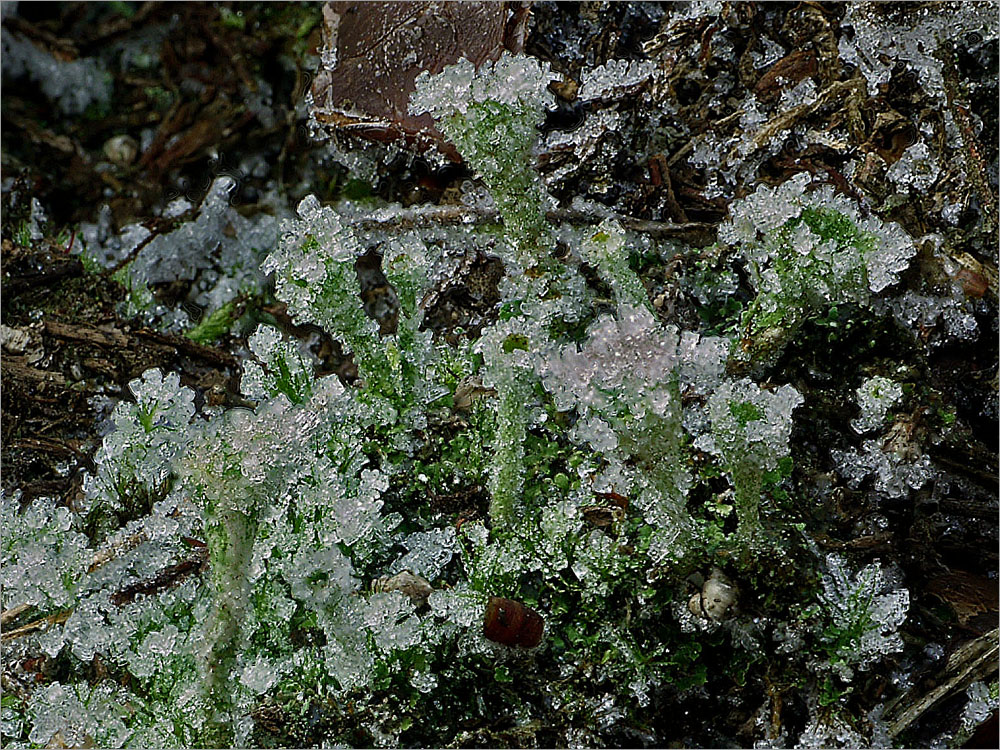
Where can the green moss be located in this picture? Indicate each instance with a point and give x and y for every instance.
(214, 325)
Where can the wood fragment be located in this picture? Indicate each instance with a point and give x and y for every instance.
(41, 624)
(972, 661)
(791, 117)
(9, 615)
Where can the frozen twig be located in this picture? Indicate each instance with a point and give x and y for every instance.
(975, 660)
(435, 215)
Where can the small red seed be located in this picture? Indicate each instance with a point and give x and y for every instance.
(973, 284)
(512, 624)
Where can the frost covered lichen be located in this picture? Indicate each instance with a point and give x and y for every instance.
(490, 114)
(806, 252)
(750, 431)
(319, 558)
(862, 615)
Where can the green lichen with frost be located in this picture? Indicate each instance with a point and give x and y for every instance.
(808, 251)
(750, 431)
(590, 417)
(491, 114)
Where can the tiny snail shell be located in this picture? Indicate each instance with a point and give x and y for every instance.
(121, 150)
(512, 624)
(416, 587)
(717, 596)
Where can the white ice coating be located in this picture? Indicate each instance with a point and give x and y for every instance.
(512, 80)
(73, 85)
(148, 435)
(916, 168)
(983, 701)
(220, 250)
(634, 352)
(44, 557)
(614, 75)
(879, 43)
(876, 396)
(282, 367)
(894, 475)
(869, 604)
(78, 716)
(428, 552)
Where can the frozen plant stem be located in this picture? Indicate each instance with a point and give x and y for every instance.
(751, 427)
(504, 165)
(213, 469)
(508, 474)
(230, 534)
(490, 115)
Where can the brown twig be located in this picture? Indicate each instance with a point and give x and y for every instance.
(436, 215)
(41, 624)
(115, 339)
(790, 117)
(9, 615)
(975, 660)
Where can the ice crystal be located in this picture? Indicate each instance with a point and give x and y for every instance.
(916, 169)
(808, 251)
(615, 75)
(625, 384)
(78, 716)
(952, 315)
(314, 273)
(876, 396)
(896, 473)
(831, 731)
(983, 701)
(863, 612)
(605, 251)
(879, 43)
(74, 85)
(281, 368)
(428, 552)
(319, 577)
(514, 81)
(461, 606)
(634, 355)
(134, 461)
(44, 555)
(220, 250)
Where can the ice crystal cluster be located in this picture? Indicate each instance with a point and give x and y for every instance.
(134, 460)
(809, 251)
(220, 251)
(832, 731)
(72, 85)
(863, 614)
(916, 40)
(50, 552)
(249, 560)
(983, 701)
(876, 396)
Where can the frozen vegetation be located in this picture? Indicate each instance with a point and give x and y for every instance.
(295, 557)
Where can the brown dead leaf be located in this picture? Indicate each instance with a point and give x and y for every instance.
(786, 73)
(974, 599)
(382, 47)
